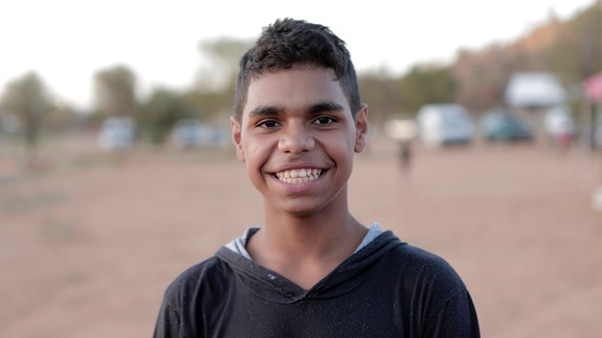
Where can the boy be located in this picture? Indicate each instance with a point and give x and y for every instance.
(312, 270)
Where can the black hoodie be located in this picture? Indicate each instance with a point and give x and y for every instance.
(386, 289)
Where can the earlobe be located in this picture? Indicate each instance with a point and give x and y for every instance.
(236, 138)
(361, 128)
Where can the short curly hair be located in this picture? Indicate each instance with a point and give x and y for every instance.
(288, 42)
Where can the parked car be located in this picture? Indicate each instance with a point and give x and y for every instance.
(117, 133)
(443, 124)
(503, 125)
(190, 132)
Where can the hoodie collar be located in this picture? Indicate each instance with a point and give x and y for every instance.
(275, 288)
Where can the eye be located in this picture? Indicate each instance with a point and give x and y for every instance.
(325, 120)
(268, 124)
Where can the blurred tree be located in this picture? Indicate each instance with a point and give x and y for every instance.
(115, 90)
(220, 61)
(427, 84)
(213, 94)
(383, 95)
(28, 98)
(158, 115)
(60, 116)
(210, 105)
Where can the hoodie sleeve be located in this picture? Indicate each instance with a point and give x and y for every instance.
(168, 321)
(456, 318)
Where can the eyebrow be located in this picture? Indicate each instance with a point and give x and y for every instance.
(265, 111)
(324, 107)
(314, 109)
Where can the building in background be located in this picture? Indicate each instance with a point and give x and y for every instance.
(534, 96)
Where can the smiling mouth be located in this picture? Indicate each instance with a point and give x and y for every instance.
(297, 176)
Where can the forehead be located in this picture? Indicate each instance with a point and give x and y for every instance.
(295, 88)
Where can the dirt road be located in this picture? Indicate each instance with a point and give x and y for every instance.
(87, 249)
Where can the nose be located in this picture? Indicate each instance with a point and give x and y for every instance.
(296, 139)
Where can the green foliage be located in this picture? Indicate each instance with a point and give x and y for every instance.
(28, 98)
(475, 79)
(382, 94)
(115, 90)
(220, 59)
(158, 115)
(211, 104)
(426, 85)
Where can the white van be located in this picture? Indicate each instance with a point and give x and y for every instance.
(444, 123)
(117, 133)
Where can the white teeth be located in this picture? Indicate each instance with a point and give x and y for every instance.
(296, 176)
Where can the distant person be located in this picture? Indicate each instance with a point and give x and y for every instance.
(312, 270)
(403, 130)
(405, 154)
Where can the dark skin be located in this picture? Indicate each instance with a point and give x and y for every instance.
(297, 138)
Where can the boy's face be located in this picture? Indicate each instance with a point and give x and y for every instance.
(297, 138)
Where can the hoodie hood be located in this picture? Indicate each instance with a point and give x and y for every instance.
(274, 288)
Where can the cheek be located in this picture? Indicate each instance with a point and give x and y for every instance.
(340, 148)
(256, 152)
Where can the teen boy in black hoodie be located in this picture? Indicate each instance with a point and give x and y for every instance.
(312, 270)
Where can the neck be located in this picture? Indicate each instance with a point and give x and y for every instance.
(305, 252)
(317, 237)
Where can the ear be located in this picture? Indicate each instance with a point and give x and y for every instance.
(361, 128)
(236, 137)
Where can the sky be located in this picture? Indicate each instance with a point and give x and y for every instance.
(67, 41)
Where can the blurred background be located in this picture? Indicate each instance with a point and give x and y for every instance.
(117, 170)
(67, 67)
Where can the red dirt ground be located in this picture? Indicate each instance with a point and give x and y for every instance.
(88, 246)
